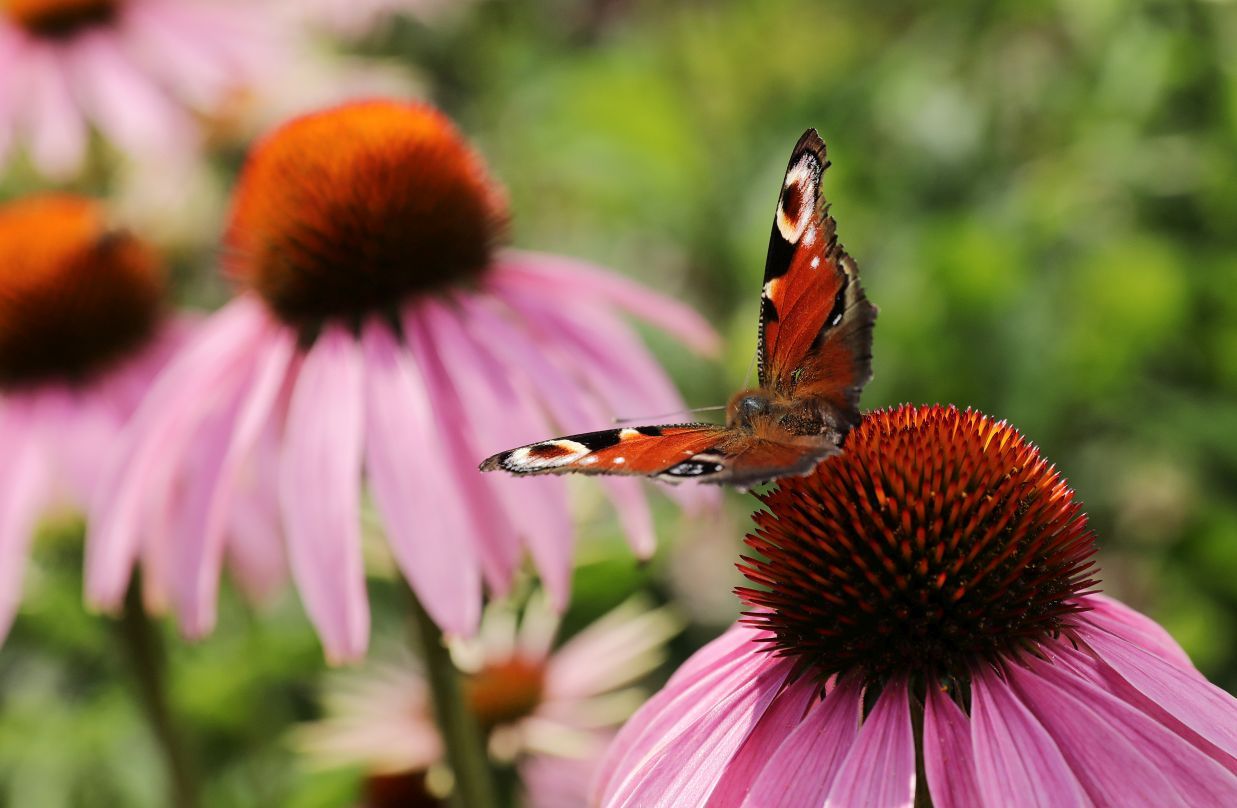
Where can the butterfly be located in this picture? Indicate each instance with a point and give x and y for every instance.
(814, 358)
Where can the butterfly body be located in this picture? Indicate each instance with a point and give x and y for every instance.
(814, 356)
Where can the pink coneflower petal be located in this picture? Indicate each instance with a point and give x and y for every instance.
(23, 494)
(803, 769)
(880, 769)
(165, 423)
(948, 758)
(624, 638)
(570, 409)
(678, 773)
(187, 61)
(571, 280)
(1139, 629)
(55, 130)
(1016, 761)
(320, 490)
(1192, 700)
(255, 551)
(1121, 755)
(715, 670)
(426, 525)
(498, 544)
(230, 440)
(777, 722)
(120, 97)
(540, 509)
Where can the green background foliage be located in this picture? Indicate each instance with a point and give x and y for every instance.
(1042, 198)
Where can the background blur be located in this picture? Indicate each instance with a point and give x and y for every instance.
(1042, 198)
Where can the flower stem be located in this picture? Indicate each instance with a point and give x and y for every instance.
(466, 755)
(147, 658)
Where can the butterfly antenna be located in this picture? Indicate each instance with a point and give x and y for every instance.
(668, 414)
(751, 366)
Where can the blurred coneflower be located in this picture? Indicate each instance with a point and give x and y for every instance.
(380, 332)
(548, 712)
(924, 630)
(83, 332)
(138, 70)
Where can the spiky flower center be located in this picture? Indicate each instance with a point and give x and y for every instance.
(57, 19)
(75, 294)
(351, 210)
(505, 691)
(936, 541)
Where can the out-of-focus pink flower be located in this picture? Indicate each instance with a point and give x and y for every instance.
(926, 592)
(138, 70)
(550, 713)
(82, 334)
(380, 333)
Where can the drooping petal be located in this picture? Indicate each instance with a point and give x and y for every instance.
(688, 760)
(572, 409)
(1017, 763)
(1117, 618)
(23, 495)
(140, 475)
(571, 280)
(426, 525)
(880, 769)
(805, 766)
(948, 759)
(710, 672)
(319, 493)
(228, 442)
(493, 535)
(485, 394)
(783, 715)
(1121, 756)
(630, 638)
(55, 130)
(1192, 700)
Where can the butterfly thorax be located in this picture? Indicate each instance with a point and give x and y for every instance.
(764, 412)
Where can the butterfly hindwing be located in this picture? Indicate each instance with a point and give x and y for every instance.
(815, 322)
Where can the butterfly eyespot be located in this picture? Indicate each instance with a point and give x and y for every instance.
(693, 468)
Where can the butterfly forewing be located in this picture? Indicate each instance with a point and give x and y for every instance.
(815, 322)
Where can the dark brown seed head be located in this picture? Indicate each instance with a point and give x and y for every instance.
(75, 294)
(351, 210)
(58, 19)
(938, 540)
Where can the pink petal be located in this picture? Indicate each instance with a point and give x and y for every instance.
(688, 760)
(1016, 761)
(880, 769)
(23, 495)
(947, 756)
(319, 493)
(709, 674)
(229, 441)
(570, 407)
(1192, 700)
(494, 537)
(1121, 756)
(499, 416)
(186, 60)
(783, 715)
(1117, 618)
(140, 475)
(571, 280)
(124, 101)
(426, 525)
(805, 766)
(56, 132)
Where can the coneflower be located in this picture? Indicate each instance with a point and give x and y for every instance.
(380, 332)
(925, 629)
(137, 70)
(82, 333)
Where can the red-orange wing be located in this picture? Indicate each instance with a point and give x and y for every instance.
(815, 322)
(703, 452)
